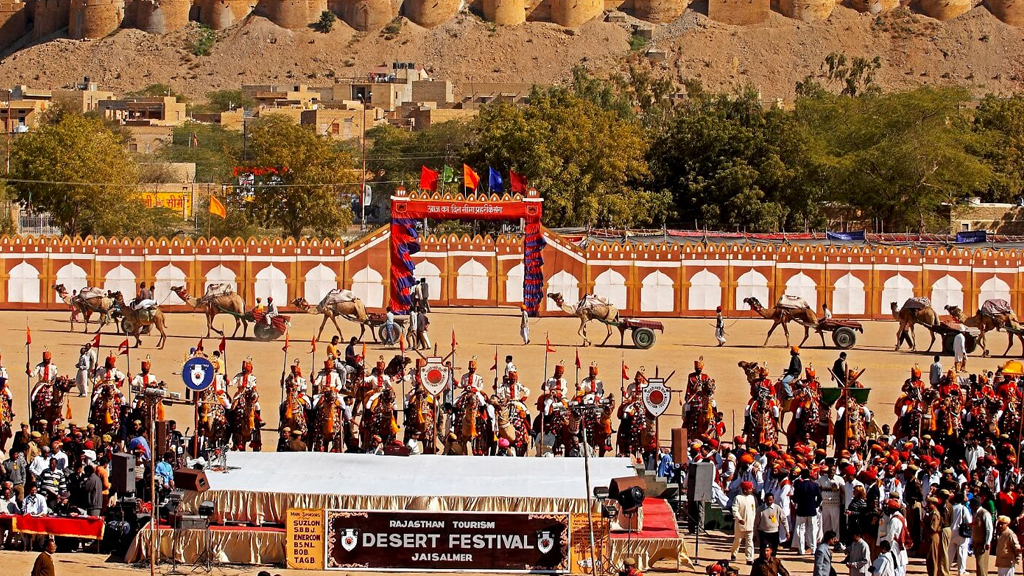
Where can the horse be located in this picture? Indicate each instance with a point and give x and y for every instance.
(379, 419)
(243, 421)
(513, 425)
(211, 418)
(699, 419)
(813, 423)
(293, 412)
(761, 427)
(597, 422)
(48, 403)
(105, 414)
(328, 431)
(636, 430)
(470, 426)
(421, 417)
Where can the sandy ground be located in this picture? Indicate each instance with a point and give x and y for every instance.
(478, 332)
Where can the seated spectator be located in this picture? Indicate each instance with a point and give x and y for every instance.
(34, 503)
(140, 444)
(64, 507)
(165, 472)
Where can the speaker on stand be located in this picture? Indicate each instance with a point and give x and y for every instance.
(699, 479)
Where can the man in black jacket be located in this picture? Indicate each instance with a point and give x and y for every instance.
(807, 498)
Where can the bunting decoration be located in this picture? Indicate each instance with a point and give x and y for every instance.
(533, 263)
(405, 242)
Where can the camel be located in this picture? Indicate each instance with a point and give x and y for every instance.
(908, 318)
(331, 307)
(213, 305)
(136, 319)
(590, 308)
(94, 301)
(986, 323)
(781, 315)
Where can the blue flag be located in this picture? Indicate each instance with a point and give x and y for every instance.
(494, 181)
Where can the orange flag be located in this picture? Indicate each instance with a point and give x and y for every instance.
(578, 365)
(68, 416)
(625, 376)
(287, 336)
(217, 209)
(312, 344)
(364, 351)
(471, 178)
(547, 343)
(28, 336)
(122, 349)
(401, 344)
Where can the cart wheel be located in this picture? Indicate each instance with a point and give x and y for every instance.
(381, 335)
(947, 343)
(263, 332)
(643, 338)
(126, 326)
(972, 343)
(844, 338)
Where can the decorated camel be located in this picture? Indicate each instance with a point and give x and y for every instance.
(337, 304)
(788, 309)
(87, 302)
(219, 299)
(136, 319)
(993, 315)
(914, 311)
(591, 307)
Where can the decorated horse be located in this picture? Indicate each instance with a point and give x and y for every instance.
(48, 403)
(912, 410)
(327, 433)
(762, 419)
(294, 410)
(851, 425)
(596, 419)
(243, 420)
(212, 419)
(379, 419)
(811, 421)
(513, 425)
(699, 411)
(6, 421)
(106, 412)
(421, 418)
(637, 430)
(474, 434)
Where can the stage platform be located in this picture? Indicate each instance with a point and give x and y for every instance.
(221, 544)
(660, 539)
(259, 487)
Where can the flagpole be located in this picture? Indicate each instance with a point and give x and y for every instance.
(284, 366)
(28, 372)
(312, 360)
(622, 379)
(547, 346)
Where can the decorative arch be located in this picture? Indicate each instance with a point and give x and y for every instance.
(166, 277)
(23, 285)
(612, 286)
(73, 277)
(472, 282)
(121, 279)
(514, 284)
(752, 284)
(368, 286)
(993, 289)
(220, 274)
(657, 293)
(705, 291)
(897, 289)
(805, 287)
(432, 274)
(565, 284)
(271, 283)
(319, 281)
(849, 296)
(947, 291)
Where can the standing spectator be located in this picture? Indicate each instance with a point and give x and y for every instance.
(40, 462)
(82, 376)
(1007, 547)
(422, 326)
(719, 326)
(44, 562)
(858, 514)
(744, 515)
(767, 564)
(858, 557)
(390, 332)
(932, 531)
(769, 519)
(52, 482)
(807, 497)
(416, 293)
(524, 324)
(22, 438)
(16, 472)
(885, 564)
(424, 295)
(839, 370)
(411, 331)
(981, 536)
(935, 372)
(960, 535)
(831, 485)
(960, 351)
(59, 455)
(92, 492)
(823, 555)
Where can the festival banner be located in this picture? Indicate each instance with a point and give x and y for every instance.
(304, 544)
(455, 209)
(413, 541)
(180, 202)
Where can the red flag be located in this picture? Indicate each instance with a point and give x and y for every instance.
(454, 342)
(578, 365)
(287, 339)
(428, 179)
(625, 376)
(122, 348)
(518, 181)
(401, 343)
(470, 177)
(96, 340)
(312, 344)
(199, 346)
(495, 367)
(223, 345)
(28, 335)
(549, 347)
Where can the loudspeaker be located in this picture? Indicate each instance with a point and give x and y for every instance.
(680, 453)
(122, 473)
(189, 479)
(629, 492)
(160, 446)
(699, 477)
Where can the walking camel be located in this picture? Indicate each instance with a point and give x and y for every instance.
(137, 319)
(989, 323)
(337, 304)
(914, 311)
(88, 301)
(590, 308)
(782, 315)
(214, 303)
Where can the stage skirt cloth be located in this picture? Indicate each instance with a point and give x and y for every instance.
(647, 551)
(227, 546)
(85, 527)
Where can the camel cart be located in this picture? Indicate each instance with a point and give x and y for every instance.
(948, 330)
(376, 322)
(844, 332)
(642, 331)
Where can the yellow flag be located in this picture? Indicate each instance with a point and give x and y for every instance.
(217, 208)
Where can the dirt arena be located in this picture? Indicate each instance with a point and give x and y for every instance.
(479, 332)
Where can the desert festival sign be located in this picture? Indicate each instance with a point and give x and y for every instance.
(447, 541)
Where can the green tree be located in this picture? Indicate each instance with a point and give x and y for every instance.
(81, 173)
(210, 146)
(315, 176)
(732, 164)
(225, 100)
(999, 124)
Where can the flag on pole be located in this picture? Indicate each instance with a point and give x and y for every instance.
(470, 177)
(287, 339)
(495, 367)
(454, 342)
(312, 344)
(122, 348)
(28, 335)
(68, 415)
(625, 376)
(494, 181)
(518, 181)
(448, 174)
(428, 179)
(548, 346)
(578, 365)
(96, 340)
(364, 351)
(223, 345)
(401, 344)
(199, 347)
(216, 208)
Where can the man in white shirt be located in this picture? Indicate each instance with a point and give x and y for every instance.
(40, 462)
(34, 503)
(885, 562)
(958, 542)
(744, 514)
(831, 485)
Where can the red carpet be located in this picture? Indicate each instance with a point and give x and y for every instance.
(659, 522)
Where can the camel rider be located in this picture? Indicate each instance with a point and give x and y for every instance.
(811, 379)
(5, 388)
(45, 372)
(473, 383)
(271, 311)
(417, 384)
(636, 386)
(764, 399)
(110, 376)
(914, 381)
(792, 373)
(855, 406)
(376, 382)
(950, 387)
(762, 382)
(554, 389)
(295, 378)
(509, 366)
(696, 379)
(145, 379)
(591, 388)
(144, 299)
(245, 380)
(326, 378)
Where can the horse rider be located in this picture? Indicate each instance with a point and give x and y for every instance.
(146, 379)
(635, 387)
(473, 383)
(591, 388)
(271, 311)
(696, 379)
(45, 373)
(554, 389)
(245, 380)
(109, 375)
(326, 378)
(295, 378)
(514, 391)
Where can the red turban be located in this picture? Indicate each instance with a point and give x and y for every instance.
(746, 486)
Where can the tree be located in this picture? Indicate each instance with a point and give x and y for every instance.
(316, 178)
(587, 160)
(210, 146)
(224, 101)
(326, 22)
(731, 164)
(999, 125)
(897, 157)
(81, 173)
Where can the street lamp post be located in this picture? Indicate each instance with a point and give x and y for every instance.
(362, 145)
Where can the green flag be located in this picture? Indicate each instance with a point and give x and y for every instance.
(448, 174)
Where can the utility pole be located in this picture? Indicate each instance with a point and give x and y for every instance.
(362, 145)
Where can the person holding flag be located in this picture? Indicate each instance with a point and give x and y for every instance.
(295, 379)
(591, 388)
(473, 383)
(145, 379)
(45, 373)
(327, 378)
(636, 386)
(109, 377)
(554, 389)
(243, 381)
